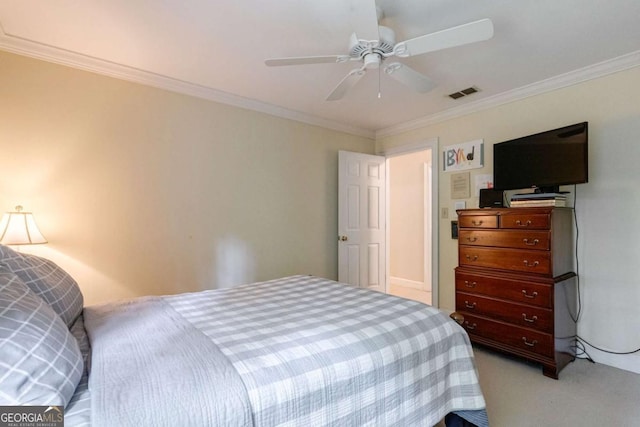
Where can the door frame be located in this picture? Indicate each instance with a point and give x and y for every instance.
(427, 144)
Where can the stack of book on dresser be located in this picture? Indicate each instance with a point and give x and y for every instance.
(538, 199)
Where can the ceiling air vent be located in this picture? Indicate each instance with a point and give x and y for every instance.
(464, 92)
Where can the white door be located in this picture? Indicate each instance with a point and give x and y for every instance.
(362, 220)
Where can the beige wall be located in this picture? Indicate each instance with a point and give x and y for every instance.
(143, 191)
(607, 207)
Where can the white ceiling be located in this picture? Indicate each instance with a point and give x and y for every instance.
(216, 49)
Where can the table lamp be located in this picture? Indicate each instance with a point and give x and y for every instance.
(19, 228)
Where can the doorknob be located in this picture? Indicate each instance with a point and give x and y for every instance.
(343, 238)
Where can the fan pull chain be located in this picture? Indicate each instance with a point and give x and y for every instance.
(379, 94)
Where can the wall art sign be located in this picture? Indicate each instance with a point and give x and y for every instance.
(468, 155)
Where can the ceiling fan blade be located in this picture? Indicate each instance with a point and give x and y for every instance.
(410, 77)
(303, 60)
(363, 17)
(456, 36)
(347, 83)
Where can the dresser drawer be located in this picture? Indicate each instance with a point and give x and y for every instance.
(538, 294)
(515, 336)
(537, 240)
(538, 262)
(529, 221)
(478, 221)
(528, 316)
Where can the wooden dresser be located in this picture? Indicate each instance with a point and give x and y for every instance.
(515, 288)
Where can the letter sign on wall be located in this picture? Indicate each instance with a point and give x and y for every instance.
(469, 155)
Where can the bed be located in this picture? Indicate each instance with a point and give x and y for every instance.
(296, 351)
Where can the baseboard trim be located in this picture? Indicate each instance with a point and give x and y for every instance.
(408, 283)
(627, 362)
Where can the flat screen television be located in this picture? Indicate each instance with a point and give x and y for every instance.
(543, 161)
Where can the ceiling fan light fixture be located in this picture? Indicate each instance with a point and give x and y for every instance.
(372, 61)
(377, 43)
(359, 48)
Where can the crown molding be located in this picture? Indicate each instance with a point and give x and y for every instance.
(68, 58)
(71, 59)
(590, 72)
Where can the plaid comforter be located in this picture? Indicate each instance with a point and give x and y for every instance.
(298, 351)
(314, 352)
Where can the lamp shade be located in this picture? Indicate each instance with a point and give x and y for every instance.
(19, 228)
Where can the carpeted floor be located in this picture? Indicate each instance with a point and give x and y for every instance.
(586, 395)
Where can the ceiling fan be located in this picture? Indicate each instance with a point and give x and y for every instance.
(376, 44)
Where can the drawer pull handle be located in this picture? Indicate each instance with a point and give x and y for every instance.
(469, 325)
(526, 294)
(472, 239)
(530, 320)
(529, 343)
(532, 243)
(471, 258)
(532, 265)
(471, 306)
(476, 223)
(521, 224)
(470, 284)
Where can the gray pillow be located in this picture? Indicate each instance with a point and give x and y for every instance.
(47, 280)
(41, 363)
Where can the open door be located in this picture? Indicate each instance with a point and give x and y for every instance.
(409, 225)
(362, 220)
(429, 233)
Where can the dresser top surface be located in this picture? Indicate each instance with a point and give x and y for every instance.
(511, 211)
